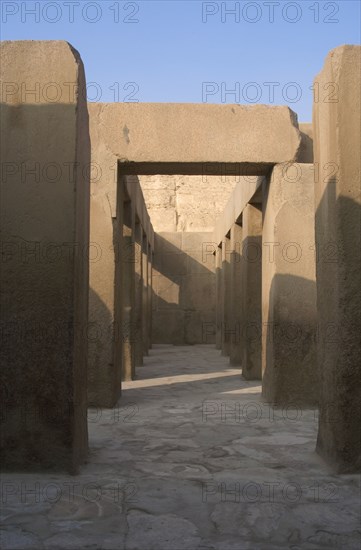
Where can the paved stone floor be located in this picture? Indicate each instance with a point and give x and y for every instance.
(191, 459)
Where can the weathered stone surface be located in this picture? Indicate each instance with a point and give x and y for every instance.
(195, 152)
(107, 275)
(243, 192)
(161, 532)
(103, 279)
(289, 363)
(228, 330)
(45, 231)
(174, 472)
(218, 261)
(150, 295)
(186, 203)
(184, 288)
(338, 231)
(130, 336)
(235, 351)
(139, 314)
(196, 134)
(305, 153)
(105, 319)
(145, 295)
(251, 265)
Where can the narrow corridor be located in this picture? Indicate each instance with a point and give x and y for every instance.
(191, 459)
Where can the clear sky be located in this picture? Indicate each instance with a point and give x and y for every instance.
(193, 51)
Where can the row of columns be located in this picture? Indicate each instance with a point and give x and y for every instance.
(136, 264)
(266, 289)
(307, 355)
(120, 291)
(238, 275)
(288, 307)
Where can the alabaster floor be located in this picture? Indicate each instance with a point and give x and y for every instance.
(191, 459)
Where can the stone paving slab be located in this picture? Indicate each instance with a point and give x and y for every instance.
(190, 459)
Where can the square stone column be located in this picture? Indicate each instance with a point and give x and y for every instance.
(219, 305)
(45, 156)
(336, 122)
(227, 329)
(252, 292)
(138, 284)
(150, 295)
(236, 294)
(128, 261)
(145, 266)
(290, 374)
(105, 299)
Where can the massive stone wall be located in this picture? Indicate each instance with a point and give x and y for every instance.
(186, 203)
(184, 289)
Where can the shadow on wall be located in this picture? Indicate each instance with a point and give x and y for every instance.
(338, 228)
(44, 284)
(184, 299)
(290, 343)
(101, 335)
(251, 296)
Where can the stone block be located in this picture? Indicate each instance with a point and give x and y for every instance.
(305, 153)
(44, 280)
(226, 323)
(289, 363)
(167, 291)
(169, 243)
(168, 327)
(338, 231)
(199, 262)
(174, 265)
(251, 268)
(163, 219)
(191, 134)
(199, 327)
(198, 292)
(236, 351)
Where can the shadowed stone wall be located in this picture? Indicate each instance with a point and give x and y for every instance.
(44, 280)
(185, 203)
(184, 289)
(338, 233)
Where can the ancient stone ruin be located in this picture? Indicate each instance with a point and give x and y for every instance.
(126, 226)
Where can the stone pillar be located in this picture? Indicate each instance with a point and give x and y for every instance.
(105, 298)
(289, 288)
(227, 329)
(138, 274)
(236, 294)
(114, 371)
(252, 292)
(145, 325)
(45, 155)
(127, 258)
(219, 306)
(150, 295)
(338, 229)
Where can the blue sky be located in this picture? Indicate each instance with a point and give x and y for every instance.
(193, 51)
